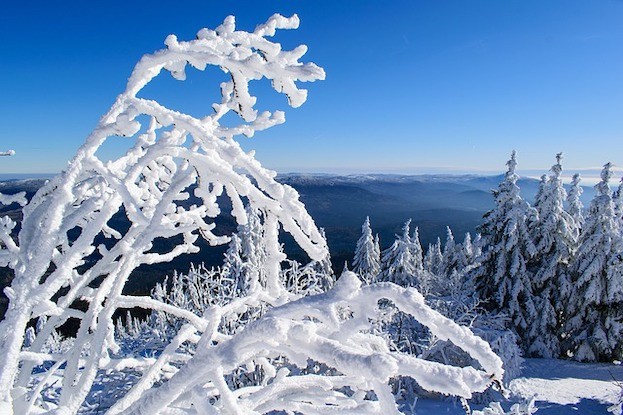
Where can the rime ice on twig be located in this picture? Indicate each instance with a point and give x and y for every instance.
(173, 154)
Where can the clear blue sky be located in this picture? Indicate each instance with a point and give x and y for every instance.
(411, 85)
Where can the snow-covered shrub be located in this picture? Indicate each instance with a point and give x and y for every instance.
(71, 263)
(466, 310)
(317, 328)
(527, 408)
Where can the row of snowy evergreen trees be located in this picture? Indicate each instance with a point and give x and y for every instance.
(554, 269)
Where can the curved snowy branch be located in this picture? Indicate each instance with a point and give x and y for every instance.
(173, 156)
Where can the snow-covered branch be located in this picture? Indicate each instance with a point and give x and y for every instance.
(174, 158)
(317, 328)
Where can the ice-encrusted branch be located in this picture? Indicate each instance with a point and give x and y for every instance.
(317, 328)
(167, 184)
(8, 247)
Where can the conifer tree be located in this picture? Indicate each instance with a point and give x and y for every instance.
(448, 262)
(233, 265)
(574, 204)
(253, 249)
(477, 247)
(502, 280)
(617, 199)
(595, 325)
(433, 258)
(540, 194)
(556, 236)
(416, 250)
(367, 261)
(466, 253)
(397, 262)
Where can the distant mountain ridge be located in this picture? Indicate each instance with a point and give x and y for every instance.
(340, 204)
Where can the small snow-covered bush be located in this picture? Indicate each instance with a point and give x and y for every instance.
(527, 408)
(466, 311)
(318, 328)
(72, 263)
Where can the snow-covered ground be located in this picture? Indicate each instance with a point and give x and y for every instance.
(560, 387)
(563, 387)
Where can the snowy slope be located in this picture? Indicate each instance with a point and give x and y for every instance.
(564, 387)
(561, 388)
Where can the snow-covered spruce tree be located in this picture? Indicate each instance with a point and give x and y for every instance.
(617, 199)
(377, 249)
(477, 246)
(398, 265)
(449, 273)
(465, 256)
(417, 253)
(540, 194)
(502, 279)
(433, 258)
(367, 262)
(556, 235)
(449, 255)
(58, 277)
(594, 327)
(574, 204)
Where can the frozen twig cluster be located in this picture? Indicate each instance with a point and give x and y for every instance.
(333, 328)
(70, 262)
